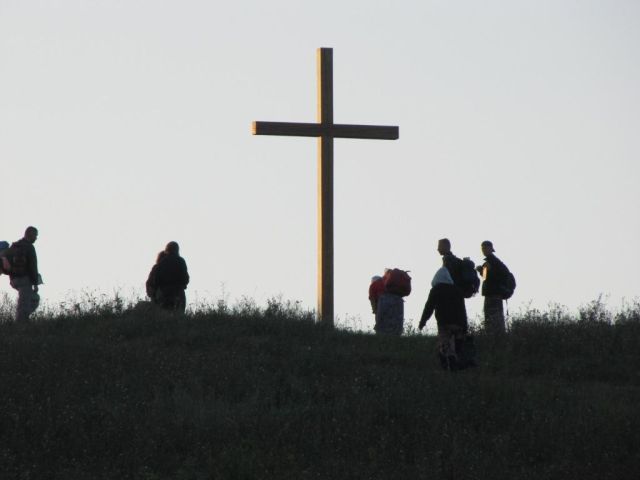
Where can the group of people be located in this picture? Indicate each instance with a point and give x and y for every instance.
(456, 280)
(165, 285)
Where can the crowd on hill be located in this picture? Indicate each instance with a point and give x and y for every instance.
(454, 282)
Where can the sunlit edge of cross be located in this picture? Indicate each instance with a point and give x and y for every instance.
(325, 130)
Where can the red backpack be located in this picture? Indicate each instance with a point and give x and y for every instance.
(397, 281)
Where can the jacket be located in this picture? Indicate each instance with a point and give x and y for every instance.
(170, 272)
(448, 303)
(26, 248)
(493, 273)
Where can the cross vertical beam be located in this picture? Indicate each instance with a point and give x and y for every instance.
(325, 187)
(325, 130)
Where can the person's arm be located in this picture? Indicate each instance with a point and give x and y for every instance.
(429, 307)
(33, 266)
(185, 274)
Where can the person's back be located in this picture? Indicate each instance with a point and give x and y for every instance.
(448, 303)
(171, 279)
(171, 271)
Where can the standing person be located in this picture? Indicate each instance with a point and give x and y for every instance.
(24, 276)
(171, 279)
(447, 301)
(152, 285)
(497, 285)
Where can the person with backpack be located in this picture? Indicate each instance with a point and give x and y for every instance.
(171, 280)
(462, 271)
(447, 301)
(390, 307)
(23, 274)
(498, 284)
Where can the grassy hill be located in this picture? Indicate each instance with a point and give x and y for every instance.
(253, 394)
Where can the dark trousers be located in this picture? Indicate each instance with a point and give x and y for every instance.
(494, 315)
(171, 298)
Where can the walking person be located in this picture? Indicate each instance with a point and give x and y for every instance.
(447, 301)
(462, 271)
(23, 275)
(170, 280)
(498, 284)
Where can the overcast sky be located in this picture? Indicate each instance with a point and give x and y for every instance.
(125, 124)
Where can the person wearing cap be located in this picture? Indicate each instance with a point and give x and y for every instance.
(492, 272)
(171, 279)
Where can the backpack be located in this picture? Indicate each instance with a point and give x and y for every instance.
(398, 282)
(507, 284)
(5, 267)
(469, 281)
(16, 260)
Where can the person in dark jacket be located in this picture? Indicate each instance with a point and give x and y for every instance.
(24, 276)
(447, 301)
(493, 272)
(170, 280)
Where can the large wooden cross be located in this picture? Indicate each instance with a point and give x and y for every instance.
(326, 131)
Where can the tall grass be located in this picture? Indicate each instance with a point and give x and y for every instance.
(245, 392)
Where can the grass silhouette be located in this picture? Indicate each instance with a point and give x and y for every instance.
(109, 391)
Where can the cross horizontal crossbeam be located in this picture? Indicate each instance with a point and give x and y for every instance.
(324, 130)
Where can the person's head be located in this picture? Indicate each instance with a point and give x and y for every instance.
(444, 246)
(172, 248)
(487, 248)
(442, 276)
(375, 278)
(31, 234)
(160, 256)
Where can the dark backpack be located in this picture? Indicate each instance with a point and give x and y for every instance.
(507, 284)
(4, 261)
(469, 281)
(17, 257)
(398, 282)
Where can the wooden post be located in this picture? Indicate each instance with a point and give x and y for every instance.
(325, 187)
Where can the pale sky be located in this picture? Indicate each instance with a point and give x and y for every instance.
(125, 124)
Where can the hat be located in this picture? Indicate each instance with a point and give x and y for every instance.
(487, 243)
(442, 276)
